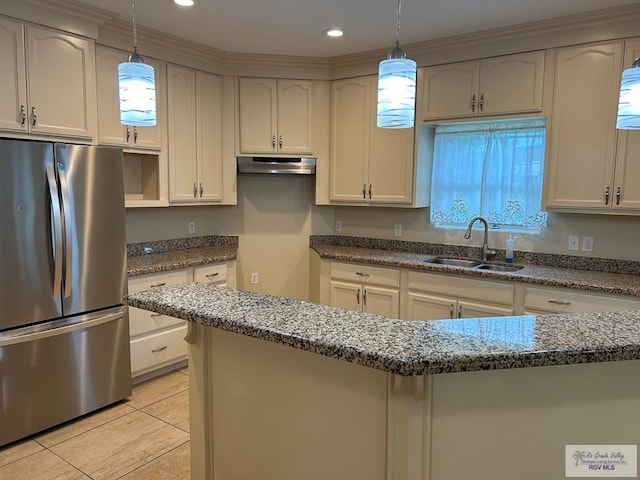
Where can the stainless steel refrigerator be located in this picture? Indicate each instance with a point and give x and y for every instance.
(64, 333)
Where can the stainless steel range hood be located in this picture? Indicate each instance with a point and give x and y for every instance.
(277, 165)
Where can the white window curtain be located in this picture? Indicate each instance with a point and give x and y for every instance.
(493, 169)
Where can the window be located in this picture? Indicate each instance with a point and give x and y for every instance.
(492, 169)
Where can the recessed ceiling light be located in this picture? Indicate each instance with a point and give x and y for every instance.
(184, 3)
(334, 32)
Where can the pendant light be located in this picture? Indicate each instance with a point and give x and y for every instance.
(396, 87)
(629, 104)
(137, 87)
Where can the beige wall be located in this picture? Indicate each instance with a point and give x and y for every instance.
(613, 236)
(273, 219)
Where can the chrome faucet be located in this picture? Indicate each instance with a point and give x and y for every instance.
(485, 247)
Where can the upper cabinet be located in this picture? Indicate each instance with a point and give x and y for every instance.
(509, 84)
(369, 165)
(277, 117)
(110, 130)
(581, 168)
(48, 81)
(201, 159)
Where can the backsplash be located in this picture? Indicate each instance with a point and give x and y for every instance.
(158, 246)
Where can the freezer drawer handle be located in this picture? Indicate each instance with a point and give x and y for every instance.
(158, 350)
(88, 322)
(156, 285)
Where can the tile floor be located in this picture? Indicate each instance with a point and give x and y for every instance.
(143, 437)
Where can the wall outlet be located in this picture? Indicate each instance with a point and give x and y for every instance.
(397, 230)
(254, 278)
(192, 227)
(587, 244)
(574, 241)
(338, 225)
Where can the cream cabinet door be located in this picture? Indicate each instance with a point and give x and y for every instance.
(209, 136)
(181, 83)
(346, 295)
(583, 128)
(422, 306)
(511, 84)
(626, 187)
(381, 301)
(350, 132)
(468, 309)
(13, 95)
(296, 118)
(450, 91)
(110, 130)
(390, 164)
(60, 82)
(258, 110)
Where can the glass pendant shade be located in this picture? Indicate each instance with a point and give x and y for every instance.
(629, 103)
(396, 93)
(137, 92)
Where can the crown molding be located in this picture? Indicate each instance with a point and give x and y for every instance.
(67, 15)
(600, 25)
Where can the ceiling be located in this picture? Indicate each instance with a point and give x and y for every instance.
(294, 27)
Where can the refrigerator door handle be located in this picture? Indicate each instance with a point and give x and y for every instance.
(60, 327)
(66, 211)
(56, 226)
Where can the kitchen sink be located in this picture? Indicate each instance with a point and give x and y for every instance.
(498, 268)
(455, 262)
(461, 262)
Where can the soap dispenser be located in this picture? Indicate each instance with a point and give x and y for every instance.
(508, 257)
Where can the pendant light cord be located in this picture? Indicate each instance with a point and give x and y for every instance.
(398, 27)
(135, 31)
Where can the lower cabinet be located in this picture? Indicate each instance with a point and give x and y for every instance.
(157, 341)
(436, 296)
(365, 289)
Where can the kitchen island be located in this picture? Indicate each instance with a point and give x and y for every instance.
(283, 389)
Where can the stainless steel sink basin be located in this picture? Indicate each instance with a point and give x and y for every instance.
(461, 262)
(498, 268)
(455, 262)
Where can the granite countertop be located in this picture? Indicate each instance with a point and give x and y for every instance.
(181, 253)
(402, 347)
(587, 280)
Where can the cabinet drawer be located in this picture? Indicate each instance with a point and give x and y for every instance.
(458, 286)
(143, 321)
(158, 350)
(145, 282)
(210, 274)
(365, 274)
(564, 301)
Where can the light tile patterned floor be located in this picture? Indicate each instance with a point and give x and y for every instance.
(143, 437)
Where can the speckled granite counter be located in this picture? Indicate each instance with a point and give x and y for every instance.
(160, 256)
(588, 280)
(401, 347)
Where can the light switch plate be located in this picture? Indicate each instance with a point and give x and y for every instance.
(338, 225)
(397, 230)
(574, 242)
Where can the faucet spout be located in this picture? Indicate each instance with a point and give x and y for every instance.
(485, 246)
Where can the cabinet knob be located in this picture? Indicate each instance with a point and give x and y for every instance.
(195, 190)
(34, 117)
(358, 296)
(212, 275)
(364, 191)
(280, 141)
(156, 285)
(364, 297)
(23, 116)
(451, 310)
(158, 350)
(273, 142)
(459, 311)
(369, 191)
(606, 196)
(128, 133)
(473, 103)
(481, 103)
(559, 302)
(201, 190)
(618, 195)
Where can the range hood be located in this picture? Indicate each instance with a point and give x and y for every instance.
(277, 165)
